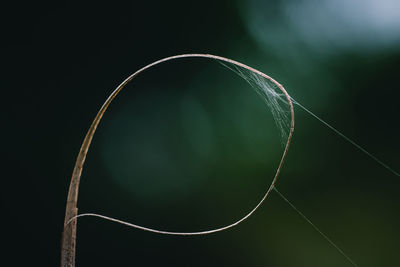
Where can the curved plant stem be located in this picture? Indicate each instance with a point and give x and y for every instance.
(69, 234)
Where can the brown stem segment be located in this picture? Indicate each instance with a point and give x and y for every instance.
(68, 243)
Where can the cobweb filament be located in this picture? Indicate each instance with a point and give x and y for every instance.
(271, 95)
(280, 108)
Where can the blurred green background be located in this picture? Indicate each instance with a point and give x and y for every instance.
(188, 145)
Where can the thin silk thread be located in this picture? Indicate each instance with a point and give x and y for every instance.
(347, 139)
(315, 227)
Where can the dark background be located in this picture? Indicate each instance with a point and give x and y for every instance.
(189, 146)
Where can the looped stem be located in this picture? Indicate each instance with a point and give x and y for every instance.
(71, 213)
